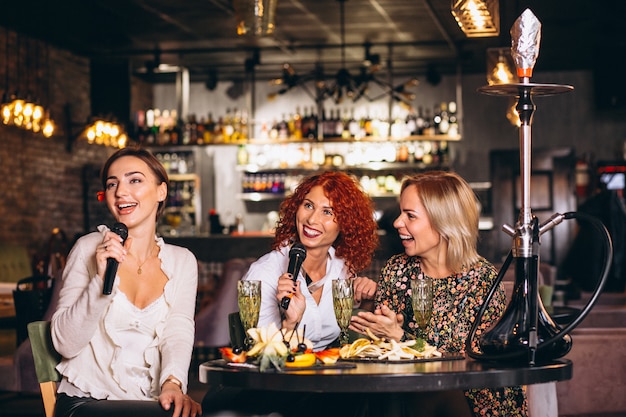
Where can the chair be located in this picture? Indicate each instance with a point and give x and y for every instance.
(31, 298)
(212, 328)
(46, 360)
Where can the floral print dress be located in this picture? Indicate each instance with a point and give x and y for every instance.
(456, 301)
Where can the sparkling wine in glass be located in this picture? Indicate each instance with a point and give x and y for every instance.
(342, 303)
(422, 301)
(249, 301)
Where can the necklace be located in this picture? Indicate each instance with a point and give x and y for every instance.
(139, 270)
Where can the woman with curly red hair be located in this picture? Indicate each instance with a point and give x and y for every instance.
(333, 218)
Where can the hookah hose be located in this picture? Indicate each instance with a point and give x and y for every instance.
(608, 258)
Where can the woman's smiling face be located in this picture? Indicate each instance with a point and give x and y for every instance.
(316, 221)
(418, 236)
(132, 192)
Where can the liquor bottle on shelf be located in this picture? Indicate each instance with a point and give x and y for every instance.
(420, 121)
(326, 125)
(398, 129)
(435, 153)
(418, 152)
(283, 128)
(453, 129)
(200, 130)
(242, 155)
(243, 126)
(193, 130)
(305, 124)
(338, 124)
(444, 152)
(273, 131)
(264, 133)
(209, 128)
(429, 128)
(176, 132)
(444, 119)
(140, 127)
(366, 123)
(353, 125)
(436, 120)
(150, 136)
(218, 131)
(297, 124)
(411, 122)
(227, 127)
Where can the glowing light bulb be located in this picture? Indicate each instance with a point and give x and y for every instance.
(28, 110)
(7, 111)
(18, 107)
(37, 113)
(501, 72)
(91, 134)
(48, 128)
(121, 142)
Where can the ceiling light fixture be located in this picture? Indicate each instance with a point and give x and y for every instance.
(477, 18)
(22, 111)
(255, 17)
(344, 84)
(500, 66)
(501, 69)
(104, 131)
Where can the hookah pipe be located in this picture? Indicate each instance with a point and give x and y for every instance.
(525, 331)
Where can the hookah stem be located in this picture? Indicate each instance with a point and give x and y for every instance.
(533, 295)
(526, 241)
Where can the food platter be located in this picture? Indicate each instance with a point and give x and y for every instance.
(255, 367)
(445, 356)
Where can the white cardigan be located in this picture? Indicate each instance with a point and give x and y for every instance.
(90, 357)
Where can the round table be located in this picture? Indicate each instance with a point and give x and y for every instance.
(387, 377)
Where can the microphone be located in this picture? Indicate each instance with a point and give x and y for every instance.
(297, 253)
(112, 264)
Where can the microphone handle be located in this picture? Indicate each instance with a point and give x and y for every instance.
(109, 276)
(294, 269)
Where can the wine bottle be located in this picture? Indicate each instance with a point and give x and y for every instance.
(297, 124)
(444, 119)
(453, 129)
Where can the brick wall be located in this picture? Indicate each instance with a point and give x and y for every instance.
(42, 181)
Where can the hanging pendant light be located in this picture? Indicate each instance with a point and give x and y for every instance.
(477, 18)
(255, 17)
(23, 110)
(344, 83)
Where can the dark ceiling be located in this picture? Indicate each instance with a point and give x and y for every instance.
(418, 35)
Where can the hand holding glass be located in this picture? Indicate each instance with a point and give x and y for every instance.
(422, 301)
(342, 303)
(249, 300)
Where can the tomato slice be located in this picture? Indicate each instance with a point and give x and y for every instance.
(328, 356)
(230, 356)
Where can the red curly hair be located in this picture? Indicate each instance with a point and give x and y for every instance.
(354, 212)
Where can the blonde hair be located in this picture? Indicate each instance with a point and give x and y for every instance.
(452, 208)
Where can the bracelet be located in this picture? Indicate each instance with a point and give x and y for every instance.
(174, 381)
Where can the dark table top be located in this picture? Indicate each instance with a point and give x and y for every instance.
(388, 377)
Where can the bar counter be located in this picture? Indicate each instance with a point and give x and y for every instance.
(220, 248)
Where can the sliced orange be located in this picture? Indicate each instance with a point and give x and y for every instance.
(301, 361)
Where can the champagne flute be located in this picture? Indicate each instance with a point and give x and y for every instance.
(422, 302)
(249, 301)
(342, 303)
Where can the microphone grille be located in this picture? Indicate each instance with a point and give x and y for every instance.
(121, 230)
(298, 250)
